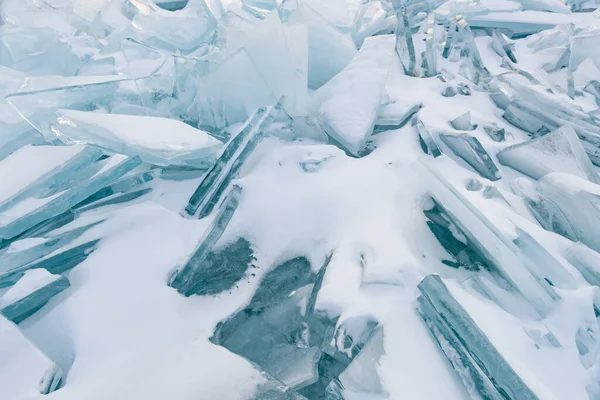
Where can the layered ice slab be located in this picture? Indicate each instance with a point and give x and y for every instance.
(348, 104)
(37, 207)
(231, 160)
(207, 272)
(159, 141)
(31, 293)
(473, 153)
(25, 371)
(483, 370)
(501, 255)
(558, 151)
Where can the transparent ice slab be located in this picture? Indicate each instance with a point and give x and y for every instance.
(480, 366)
(394, 114)
(14, 258)
(501, 255)
(31, 293)
(329, 51)
(426, 140)
(372, 18)
(586, 260)
(148, 96)
(184, 31)
(348, 104)
(25, 370)
(558, 151)
(405, 48)
(361, 377)
(156, 140)
(502, 46)
(225, 169)
(55, 264)
(275, 390)
(41, 168)
(469, 149)
(579, 202)
(207, 273)
(33, 210)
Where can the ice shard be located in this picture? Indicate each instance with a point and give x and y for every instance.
(372, 18)
(463, 122)
(479, 364)
(275, 390)
(496, 133)
(159, 141)
(34, 209)
(329, 51)
(198, 272)
(348, 104)
(502, 46)
(36, 248)
(578, 200)
(31, 293)
(233, 156)
(24, 370)
(405, 47)
(586, 260)
(55, 264)
(500, 254)
(395, 114)
(558, 151)
(472, 152)
(345, 340)
(360, 378)
(427, 141)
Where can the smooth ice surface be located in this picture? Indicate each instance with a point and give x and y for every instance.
(348, 104)
(156, 140)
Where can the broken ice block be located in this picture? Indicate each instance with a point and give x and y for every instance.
(452, 240)
(182, 31)
(36, 248)
(197, 271)
(35, 209)
(586, 260)
(472, 152)
(479, 364)
(24, 370)
(38, 102)
(394, 114)
(360, 378)
(502, 46)
(427, 141)
(348, 104)
(501, 254)
(558, 151)
(31, 293)
(449, 91)
(225, 169)
(329, 51)
(593, 88)
(41, 168)
(545, 211)
(405, 47)
(372, 18)
(496, 133)
(463, 122)
(578, 200)
(274, 389)
(345, 340)
(544, 263)
(55, 264)
(156, 140)
(519, 24)
(464, 89)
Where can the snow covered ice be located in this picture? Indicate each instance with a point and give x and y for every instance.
(299, 199)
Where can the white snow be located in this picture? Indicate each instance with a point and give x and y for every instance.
(32, 280)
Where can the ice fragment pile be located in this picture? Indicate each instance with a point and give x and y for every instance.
(224, 199)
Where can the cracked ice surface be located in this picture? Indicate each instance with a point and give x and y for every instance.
(299, 199)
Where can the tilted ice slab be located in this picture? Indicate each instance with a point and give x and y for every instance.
(348, 104)
(37, 208)
(159, 141)
(25, 371)
(558, 151)
(30, 293)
